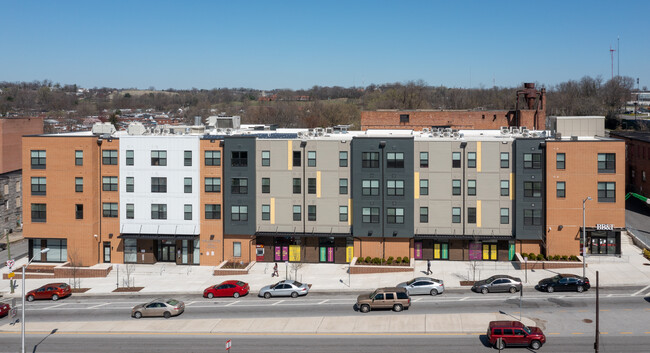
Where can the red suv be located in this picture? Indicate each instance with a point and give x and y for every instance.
(52, 291)
(4, 309)
(514, 333)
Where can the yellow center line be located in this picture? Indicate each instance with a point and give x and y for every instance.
(583, 311)
(626, 333)
(604, 333)
(553, 333)
(647, 333)
(604, 309)
(577, 333)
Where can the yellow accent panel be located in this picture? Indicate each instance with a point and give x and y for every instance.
(416, 185)
(318, 184)
(290, 155)
(478, 213)
(294, 252)
(349, 253)
(349, 212)
(478, 156)
(272, 210)
(512, 182)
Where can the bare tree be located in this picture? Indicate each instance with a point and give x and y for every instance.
(74, 265)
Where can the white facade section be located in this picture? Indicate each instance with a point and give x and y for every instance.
(175, 198)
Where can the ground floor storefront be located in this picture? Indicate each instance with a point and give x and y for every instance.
(603, 241)
(448, 248)
(140, 249)
(304, 248)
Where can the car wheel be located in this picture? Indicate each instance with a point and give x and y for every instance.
(484, 290)
(500, 345)
(398, 307)
(294, 295)
(236, 295)
(535, 344)
(434, 292)
(365, 308)
(267, 295)
(55, 297)
(550, 289)
(210, 295)
(167, 315)
(137, 315)
(30, 298)
(513, 290)
(580, 289)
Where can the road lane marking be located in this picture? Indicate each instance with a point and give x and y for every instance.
(233, 303)
(464, 298)
(642, 290)
(554, 333)
(626, 333)
(577, 333)
(416, 300)
(97, 306)
(54, 306)
(323, 302)
(190, 303)
(609, 295)
(604, 309)
(604, 333)
(278, 302)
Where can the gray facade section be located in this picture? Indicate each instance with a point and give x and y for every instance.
(11, 204)
(237, 144)
(524, 203)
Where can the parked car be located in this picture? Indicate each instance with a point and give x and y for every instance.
(498, 283)
(285, 289)
(423, 285)
(514, 333)
(227, 289)
(159, 307)
(4, 309)
(564, 282)
(52, 291)
(384, 298)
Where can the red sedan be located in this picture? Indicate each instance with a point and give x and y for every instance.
(52, 291)
(227, 289)
(4, 309)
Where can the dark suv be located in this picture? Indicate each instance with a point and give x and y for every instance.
(384, 298)
(502, 334)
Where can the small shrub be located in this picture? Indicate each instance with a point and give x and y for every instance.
(646, 253)
(565, 258)
(389, 261)
(556, 257)
(532, 256)
(573, 258)
(398, 259)
(540, 257)
(405, 260)
(368, 259)
(376, 261)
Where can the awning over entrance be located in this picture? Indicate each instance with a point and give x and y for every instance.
(157, 236)
(464, 237)
(291, 234)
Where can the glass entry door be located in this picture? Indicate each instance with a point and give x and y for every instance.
(167, 251)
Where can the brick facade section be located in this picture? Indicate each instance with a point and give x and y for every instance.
(638, 160)
(12, 131)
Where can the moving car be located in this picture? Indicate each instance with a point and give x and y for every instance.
(285, 288)
(52, 291)
(514, 333)
(498, 283)
(384, 298)
(564, 282)
(159, 307)
(4, 309)
(227, 289)
(423, 285)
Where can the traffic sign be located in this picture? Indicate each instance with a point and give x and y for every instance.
(228, 345)
(10, 263)
(11, 274)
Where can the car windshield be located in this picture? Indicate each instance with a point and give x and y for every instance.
(526, 329)
(410, 282)
(64, 285)
(172, 302)
(372, 295)
(556, 278)
(240, 283)
(297, 284)
(490, 279)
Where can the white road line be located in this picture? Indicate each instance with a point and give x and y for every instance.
(97, 306)
(54, 306)
(641, 291)
(278, 302)
(324, 301)
(464, 298)
(609, 295)
(416, 300)
(190, 303)
(233, 303)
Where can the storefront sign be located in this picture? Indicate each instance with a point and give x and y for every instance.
(604, 226)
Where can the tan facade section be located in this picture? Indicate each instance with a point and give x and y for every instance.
(246, 247)
(383, 248)
(211, 240)
(12, 131)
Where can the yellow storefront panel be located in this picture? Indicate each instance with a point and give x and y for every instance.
(349, 253)
(486, 251)
(294, 253)
(436, 251)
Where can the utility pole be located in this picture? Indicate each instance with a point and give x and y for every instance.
(597, 342)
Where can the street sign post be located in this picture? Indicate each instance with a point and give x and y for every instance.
(14, 311)
(11, 275)
(228, 345)
(10, 263)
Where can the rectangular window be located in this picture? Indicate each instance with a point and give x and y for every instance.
(343, 158)
(424, 159)
(39, 214)
(109, 209)
(532, 217)
(158, 211)
(239, 186)
(455, 159)
(471, 215)
(239, 158)
(109, 157)
(343, 213)
(560, 191)
(424, 186)
(343, 186)
(130, 211)
(130, 184)
(266, 185)
(471, 187)
(606, 162)
(560, 161)
(239, 213)
(212, 211)
(532, 160)
(505, 160)
(455, 215)
(370, 160)
(370, 187)
(187, 158)
(266, 158)
(187, 185)
(38, 186)
(212, 184)
(505, 188)
(471, 159)
(311, 212)
(532, 189)
(395, 160)
(236, 249)
(266, 212)
(38, 159)
(424, 214)
(159, 158)
(297, 158)
(606, 192)
(130, 250)
(311, 185)
(297, 186)
(455, 187)
(130, 157)
(403, 118)
(505, 216)
(212, 158)
(395, 187)
(78, 184)
(297, 212)
(78, 157)
(109, 183)
(395, 215)
(311, 158)
(158, 184)
(370, 215)
(187, 212)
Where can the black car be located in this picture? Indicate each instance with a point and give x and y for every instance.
(564, 282)
(497, 283)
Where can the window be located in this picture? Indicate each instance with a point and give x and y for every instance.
(129, 157)
(130, 184)
(17, 186)
(266, 158)
(505, 216)
(109, 157)
(455, 187)
(239, 159)
(212, 158)
(395, 160)
(311, 185)
(471, 215)
(266, 212)
(424, 159)
(370, 160)
(532, 188)
(395, 187)
(109, 209)
(236, 249)
(38, 159)
(532, 160)
(606, 162)
(505, 188)
(187, 158)
(297, 212)
(296, 186)
(239, 213)
(560, 191)
(471, 159)
(424, 186)
(39, 214)
(158, 211)
(606, 192)
(505, 160)
(266, 185)
(311, 158)
(158, 184)
(296, 158)
(78, 184)
(532, 217)
(343, 158)
(370, 187)
(403, 118)
(187, 185)
(424, 214)
(78, 157)
(38, 186)
(109, 183)
(471, 187)
(343, 186)
(343, 213)
(370, 215)
(187, 212)
(212, 211)
(560, 161)
(311, 212)
(455, 215)
(455, 159)
(212, 184)
(130, 211)
(159, 158)
(239, 186)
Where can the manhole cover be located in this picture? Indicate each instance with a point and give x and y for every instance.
(588, 321)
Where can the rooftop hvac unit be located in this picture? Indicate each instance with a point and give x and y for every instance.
(525, 131)
(447, 129)
(535, 134)
(515, 130)
(228, 131)
(446, 133)
(505, 130)
(525, 134)
(522, 128)
(425, 130)
(455, 134)
(435, 133)
(329, 130)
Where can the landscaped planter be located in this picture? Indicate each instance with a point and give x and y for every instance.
(361, 269)
(221, 270)
(545, 265)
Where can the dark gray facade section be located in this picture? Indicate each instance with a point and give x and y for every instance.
(383, 173)
(11, 205)
(532, 203)
(234, 169)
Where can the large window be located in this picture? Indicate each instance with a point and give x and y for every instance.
(471, 187)
(130, 211)
(187, 212)
(532, 160)
(236, 249)
(455, 215)
(424, 186)
(505, 188)
(606, 162)
(78, 184)
(560, 191)
(395, 215)
(343, 186)
(505, 160)
(424, 159)
(38, 159)
(471, 215)
(343, 213)
(297, 158)
(456, 187)
(311, 212)
(109, 157)
(560, 161)
(239, 186)
(370, 160)
(159, 158)
(395, 187)
(370, 215)
(78, 157)
(532, 189)
(158, 184)
(58, 250)
(311, 185)
(395, 160)
(455, 159)
(109, 183)
(187, 158)
(212, 158)
(212, 211)
(38, 186)
(266, 185)
(532, 217)
(343, 158)
(471, 159)
(158, 211)
(239, 213)
(109, 209)
(212, 184)
(297, 186)
(187, 185)
(424, 214)
(311, 158)
(130, 250)
(370, 187)
(266, 212)
(505, 216)
(39, 213)
(266, 158)
(130, 157)
(79, 211)
(130, 184)
(606, 192)
(239, 158)
(297, 212)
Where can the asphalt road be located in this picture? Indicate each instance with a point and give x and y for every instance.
(18, 249)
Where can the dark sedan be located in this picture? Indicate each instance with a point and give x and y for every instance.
(498, 283)
(564, 282)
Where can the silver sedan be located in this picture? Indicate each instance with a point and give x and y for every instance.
(288, 288)
(423, 285)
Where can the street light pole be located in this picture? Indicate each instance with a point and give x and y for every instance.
(584, 236)
(22, 311)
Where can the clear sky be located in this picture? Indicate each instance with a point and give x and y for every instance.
(299, 44)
